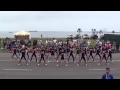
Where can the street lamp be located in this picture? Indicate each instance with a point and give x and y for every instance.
(79, 31)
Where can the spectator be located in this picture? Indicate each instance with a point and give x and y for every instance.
(97, 41)
(107, 75)
(38, 42)
(54, 41)
(4, 44)
(117, 46)
(34, 43)
(100, 43)
(46, 42)
(41, 42)
(89, 43)
(103, 43)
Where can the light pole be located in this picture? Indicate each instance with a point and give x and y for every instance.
(79, 31)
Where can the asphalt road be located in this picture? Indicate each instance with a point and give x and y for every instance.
(9, 69)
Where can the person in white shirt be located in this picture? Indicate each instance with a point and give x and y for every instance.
(89, 43)
(46, 42)
(54, 41)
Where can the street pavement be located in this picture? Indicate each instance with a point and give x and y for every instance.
(9, 69)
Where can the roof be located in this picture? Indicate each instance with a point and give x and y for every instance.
(22, 33)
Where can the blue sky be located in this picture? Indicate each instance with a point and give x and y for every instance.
(59, 20)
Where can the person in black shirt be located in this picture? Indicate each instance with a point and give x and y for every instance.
(33, 54)
(47, 52)
(59, 53)
(68, 50)
(91, 50)
(27, 52)
(62, 58)
(98, 51)
(42, 52)
(109, 55)
(82, 57)
(52, 51)
(38, 49)
(78, 52)
(23, 51)
(18, 49)
(14, 53)
(86, 51)
(104, 52)
(71, 54)
(64, 48)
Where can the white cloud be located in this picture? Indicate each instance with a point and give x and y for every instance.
(59, 20)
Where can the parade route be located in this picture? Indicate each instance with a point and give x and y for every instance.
(9, 69)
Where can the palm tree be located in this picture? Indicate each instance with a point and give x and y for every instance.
(100, 32)
(79, 31)
(113, 31)
(93, 31)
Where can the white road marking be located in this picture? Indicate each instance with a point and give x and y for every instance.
(56, 61)
(17, 69)
(100, 69)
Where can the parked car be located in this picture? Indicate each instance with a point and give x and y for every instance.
(77, 36)
(94, 37)
(70, 37)
(85, 36)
